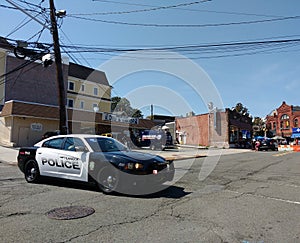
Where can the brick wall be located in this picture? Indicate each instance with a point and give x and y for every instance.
(196, 129)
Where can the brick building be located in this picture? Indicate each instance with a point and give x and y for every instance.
(282, 120)
(218, 129)
(210, 129)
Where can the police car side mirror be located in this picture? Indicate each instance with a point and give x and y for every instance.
(81, 149)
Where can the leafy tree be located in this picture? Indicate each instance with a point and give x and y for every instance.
(114, 102)
(257, 121)
(241, 109)
(123, 105)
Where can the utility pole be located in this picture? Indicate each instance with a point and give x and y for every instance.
(63, 123)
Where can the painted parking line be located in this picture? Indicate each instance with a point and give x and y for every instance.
(265, 197)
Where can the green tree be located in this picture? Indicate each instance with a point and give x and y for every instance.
(123, 105)
(258, 126)
(241, 109)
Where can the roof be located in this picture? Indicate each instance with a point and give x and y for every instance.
(17, 108)
(296, 108)
(86, 73)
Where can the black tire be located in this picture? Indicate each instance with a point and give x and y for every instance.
(31, 171)
(108, 179)
(172, 169)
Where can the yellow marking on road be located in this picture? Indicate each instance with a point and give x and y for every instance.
(283, 153)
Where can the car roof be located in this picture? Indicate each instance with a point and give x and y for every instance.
(78, 136)
(71, 135)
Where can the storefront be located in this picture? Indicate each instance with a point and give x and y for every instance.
(23, 124)
(240, 129)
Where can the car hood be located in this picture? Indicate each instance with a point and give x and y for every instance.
(136, 156)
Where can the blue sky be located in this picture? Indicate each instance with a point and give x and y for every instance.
(260, 81)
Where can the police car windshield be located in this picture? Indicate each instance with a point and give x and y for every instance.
(105, 145)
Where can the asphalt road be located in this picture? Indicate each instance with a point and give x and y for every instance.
(248, 197)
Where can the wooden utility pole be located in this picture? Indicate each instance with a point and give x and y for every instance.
(63, 123)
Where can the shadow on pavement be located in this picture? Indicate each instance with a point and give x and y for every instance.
(166, 191)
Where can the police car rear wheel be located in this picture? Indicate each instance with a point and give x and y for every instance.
(31, 171)
(107, 180)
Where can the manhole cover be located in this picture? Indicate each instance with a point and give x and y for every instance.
(71, 212)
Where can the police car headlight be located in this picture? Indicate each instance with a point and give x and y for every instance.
(131, 166)
(138, 166)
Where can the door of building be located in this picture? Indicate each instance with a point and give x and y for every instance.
(23, 139)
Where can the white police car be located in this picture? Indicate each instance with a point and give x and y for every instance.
(97, 159)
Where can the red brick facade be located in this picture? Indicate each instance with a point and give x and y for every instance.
(281, 121)
(195, 129)
(209, 129)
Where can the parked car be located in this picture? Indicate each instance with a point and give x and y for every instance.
(156, 140)
(268, 144)
(101, 160)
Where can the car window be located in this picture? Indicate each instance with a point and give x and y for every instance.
(105, 145)
(55, 143)
(72, 143)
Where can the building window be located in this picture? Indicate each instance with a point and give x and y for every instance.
(81, 104)
(285, 117)
(296, 124)
(274, 125)
(71, 85)
(70, 103)
(82, 87)
(95, 91)
(285, 122)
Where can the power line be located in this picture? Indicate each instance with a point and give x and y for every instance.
(73, 58)
(20, 67)
(188, 9)
(188, 25)
(19, 26)
(15, 8)
(245, 44)
(31, 4)
(240, 46)
(39, 34)
(195, 52)
(142, 10)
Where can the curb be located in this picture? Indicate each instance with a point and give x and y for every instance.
(182, 157)
(8, 163)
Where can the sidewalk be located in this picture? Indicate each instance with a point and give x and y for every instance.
(8, 155)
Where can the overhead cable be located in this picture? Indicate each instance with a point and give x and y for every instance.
(188, 25)
(142, 10)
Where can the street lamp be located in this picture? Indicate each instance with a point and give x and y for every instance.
(96, 108)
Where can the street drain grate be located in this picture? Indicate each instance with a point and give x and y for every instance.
(71, 212)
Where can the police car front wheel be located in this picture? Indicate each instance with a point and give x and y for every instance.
(32, 173)
(108, 180)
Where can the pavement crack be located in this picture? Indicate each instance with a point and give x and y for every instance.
(16, 214)
(134, 220)
(161, 207)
